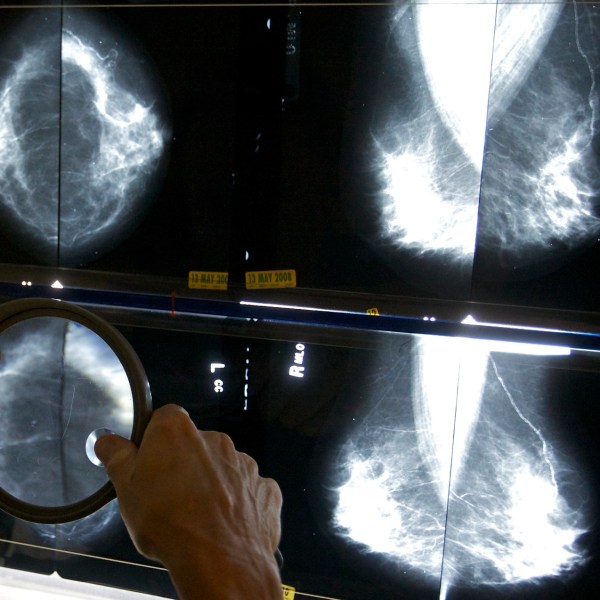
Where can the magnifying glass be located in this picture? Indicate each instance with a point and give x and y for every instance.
(66, 378)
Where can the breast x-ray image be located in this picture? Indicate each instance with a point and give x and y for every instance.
(462, 472)
(415, 149)
(117, 129)
(484, 149)
(410, 465)
(85, 131)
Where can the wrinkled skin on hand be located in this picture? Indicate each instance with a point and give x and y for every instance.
(190, 499)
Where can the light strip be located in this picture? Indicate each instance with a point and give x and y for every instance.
(470, 320)
(517, 347)
(288, 306)
(23, 585)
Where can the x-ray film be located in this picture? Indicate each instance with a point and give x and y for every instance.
(416, 149)
(410, 465)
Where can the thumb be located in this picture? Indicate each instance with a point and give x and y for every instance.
(117, 454)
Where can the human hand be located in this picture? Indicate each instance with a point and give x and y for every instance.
(192, 502)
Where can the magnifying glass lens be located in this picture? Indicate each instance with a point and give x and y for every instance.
(60, 380)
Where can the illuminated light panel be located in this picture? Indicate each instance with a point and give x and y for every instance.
(522, 348)
(23, 585)
(516, 347)
(459, 476)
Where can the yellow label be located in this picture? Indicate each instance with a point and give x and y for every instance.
(373, 312)
(283, 278)
(288, 592)
(207, 280)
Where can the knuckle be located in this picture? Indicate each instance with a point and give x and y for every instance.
(171, 420)
(249, 463)
(170, 411)
(273, 491)
(220, 440)
(226, 443)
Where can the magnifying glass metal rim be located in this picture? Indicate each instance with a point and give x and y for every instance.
(14, 312)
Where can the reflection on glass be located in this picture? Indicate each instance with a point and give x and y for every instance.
(458, 472)
(58, 382)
